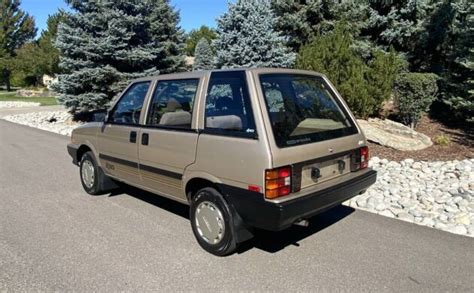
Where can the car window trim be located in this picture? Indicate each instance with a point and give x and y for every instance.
(224, 132)
(111, 112)
(164, 127)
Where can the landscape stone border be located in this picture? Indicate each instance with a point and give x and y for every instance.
(434, 194)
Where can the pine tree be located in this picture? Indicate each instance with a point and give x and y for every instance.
(46, 43)
(459, 73)
(364, 86)
(16, 28)
(104, 44)
(203, 56)
(331, 54)
(300, 21)
(246, 37)
(195, 35)
(396, 24)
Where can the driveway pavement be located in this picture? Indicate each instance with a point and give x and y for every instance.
(53, 236)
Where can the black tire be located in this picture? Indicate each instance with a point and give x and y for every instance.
(96, 187)
(227, 244)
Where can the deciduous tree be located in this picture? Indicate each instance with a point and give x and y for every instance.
(16, 28)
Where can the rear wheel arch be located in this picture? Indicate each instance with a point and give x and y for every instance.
(196, 184)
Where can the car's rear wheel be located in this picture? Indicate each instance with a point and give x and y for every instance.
(90, 175)
(211, 221)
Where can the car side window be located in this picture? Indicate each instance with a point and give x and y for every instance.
(129, 107)
(172, 103)
(228, 108)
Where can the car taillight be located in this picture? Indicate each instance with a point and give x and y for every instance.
(360, 159)
(277, 182)
(364, 157)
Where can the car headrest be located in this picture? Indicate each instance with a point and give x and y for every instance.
(230, 122)
(173, 105)
(179, 118)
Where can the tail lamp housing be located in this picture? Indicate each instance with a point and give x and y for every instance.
(360, 159)
(277, 182)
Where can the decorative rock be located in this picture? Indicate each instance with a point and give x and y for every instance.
(406, 217)
(380, 207)
(458, 229)
(387, 213)
(463, 219)
(57, 121)
(433, 194)
(14, 104)
(393, 134)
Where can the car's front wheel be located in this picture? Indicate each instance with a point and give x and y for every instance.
(90, 175)
(211, 221)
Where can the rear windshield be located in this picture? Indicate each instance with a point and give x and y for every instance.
(303, 109)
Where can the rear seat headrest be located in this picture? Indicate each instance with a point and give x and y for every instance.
(180, 118)
(173, 105)
(230, 122)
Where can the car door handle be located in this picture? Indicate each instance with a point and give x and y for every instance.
(145, 138)
(133, 137)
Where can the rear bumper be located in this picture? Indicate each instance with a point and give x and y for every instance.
(257, 212)
(72, 150)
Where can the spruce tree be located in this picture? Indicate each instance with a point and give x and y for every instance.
(300, 21)
(459, 74)
(246, 37)
(104, 44)
(396, 24)
(195, 35)
(203, 56)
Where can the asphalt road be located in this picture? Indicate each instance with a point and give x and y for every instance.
(53, 236)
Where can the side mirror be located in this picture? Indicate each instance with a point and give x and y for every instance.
(100, 115)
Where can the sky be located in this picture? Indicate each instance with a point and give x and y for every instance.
(194, 13)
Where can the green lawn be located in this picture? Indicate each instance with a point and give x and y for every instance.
(44, 101)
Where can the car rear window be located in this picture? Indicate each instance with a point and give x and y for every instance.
(303, 109)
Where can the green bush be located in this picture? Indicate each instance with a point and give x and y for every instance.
(364, 86)
(414, 93)
(442, 140)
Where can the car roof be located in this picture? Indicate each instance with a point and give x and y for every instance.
(199, 74)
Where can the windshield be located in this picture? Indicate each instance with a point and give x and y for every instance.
(303, 109)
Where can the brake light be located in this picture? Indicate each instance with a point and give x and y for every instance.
(364, 157)
(360, 159)
(277, 182)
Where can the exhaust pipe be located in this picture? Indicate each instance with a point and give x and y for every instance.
(302, 223)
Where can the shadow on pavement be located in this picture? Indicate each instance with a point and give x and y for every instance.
(268, 241)
(275, 241)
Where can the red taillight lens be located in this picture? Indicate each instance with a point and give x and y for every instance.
(360, 159)
(364, 157)
(277, 182)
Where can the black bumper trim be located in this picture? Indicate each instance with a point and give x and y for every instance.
(72, 150)
(256, 212)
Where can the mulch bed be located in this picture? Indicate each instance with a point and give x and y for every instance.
(461, 147)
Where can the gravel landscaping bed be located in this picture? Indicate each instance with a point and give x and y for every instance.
(18, 104)
(58, 121)
(434, 194)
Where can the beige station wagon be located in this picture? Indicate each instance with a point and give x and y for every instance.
(244, 148)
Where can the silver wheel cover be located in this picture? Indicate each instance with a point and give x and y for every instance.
(87, 171)
(210, 223)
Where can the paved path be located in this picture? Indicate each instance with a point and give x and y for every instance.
(53, 236)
